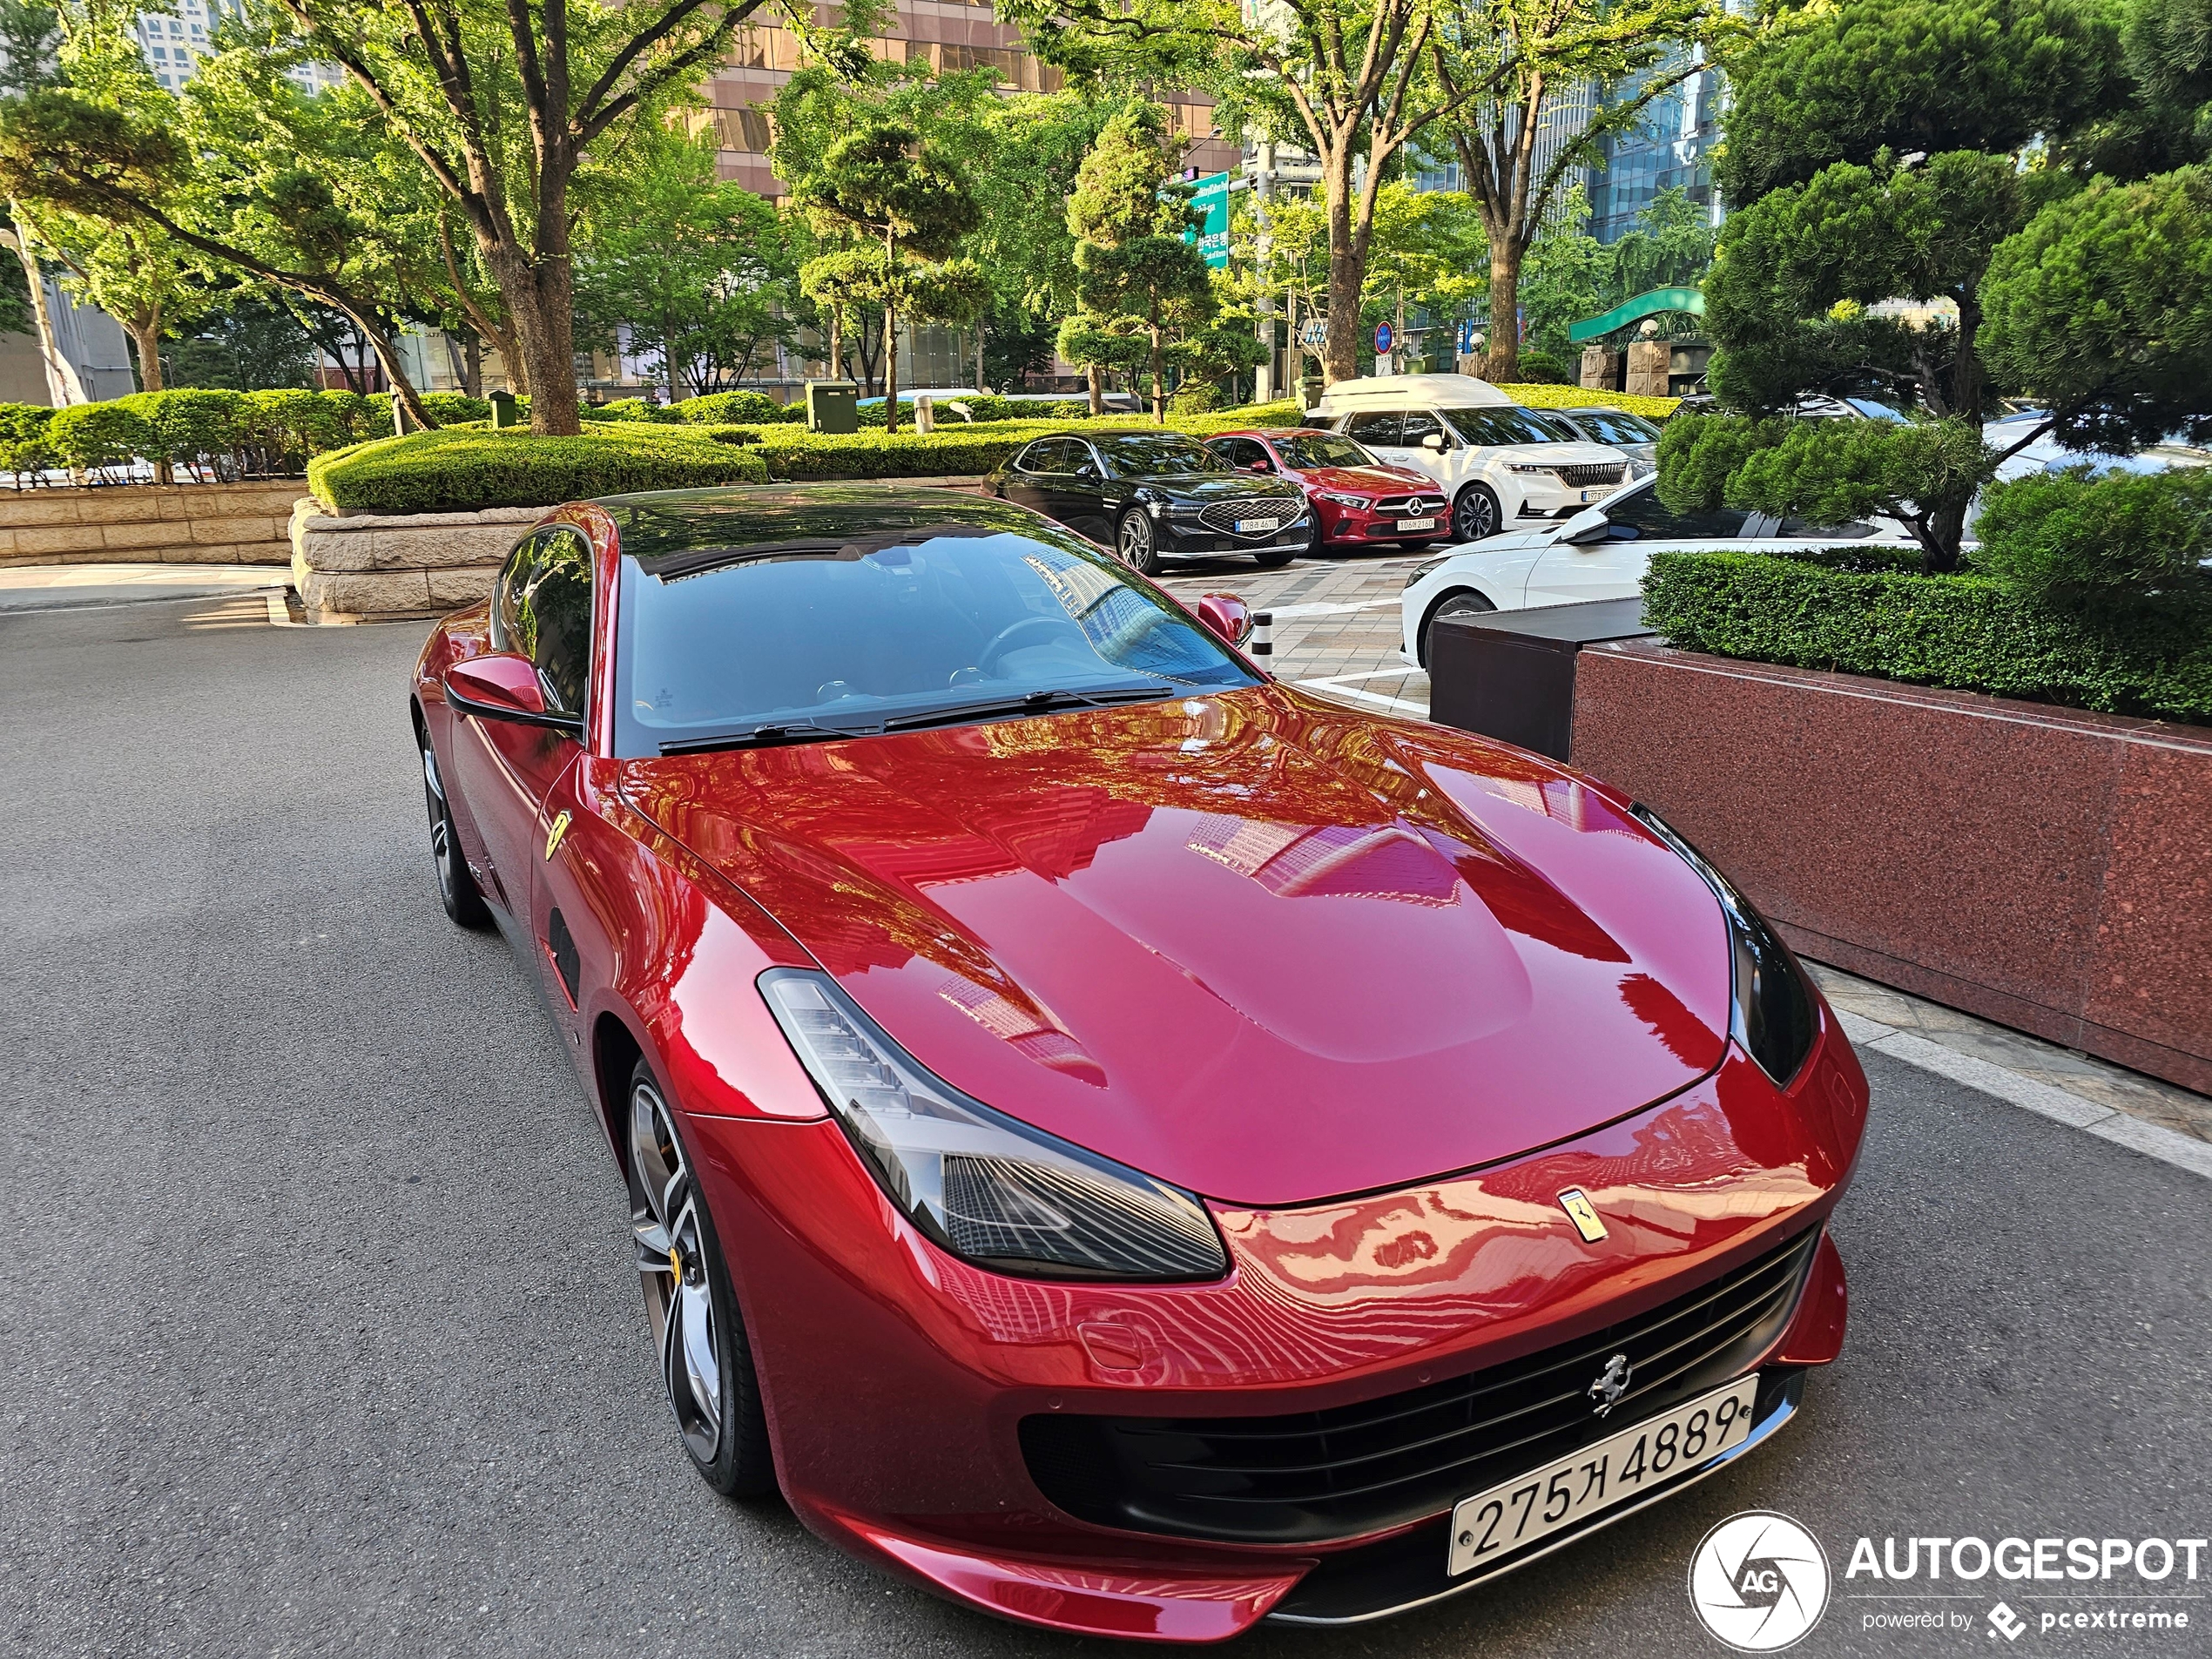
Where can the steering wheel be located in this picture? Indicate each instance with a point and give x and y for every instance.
(1015, 633)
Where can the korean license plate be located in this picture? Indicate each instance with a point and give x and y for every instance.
(1416, 524)
(1254, 526)
(1592, 494)
(1512, 1516)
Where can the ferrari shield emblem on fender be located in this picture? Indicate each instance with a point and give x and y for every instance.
(561, 828)
(1583, 1214)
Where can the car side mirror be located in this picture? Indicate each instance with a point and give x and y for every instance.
(1432, 441)
(1226, 615)
(503, 686)
(1587, 529)
(1260, 466)
(1086, 469)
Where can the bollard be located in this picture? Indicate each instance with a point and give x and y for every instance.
(1262, 644)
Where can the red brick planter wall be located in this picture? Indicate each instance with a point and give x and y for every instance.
(2043, 867)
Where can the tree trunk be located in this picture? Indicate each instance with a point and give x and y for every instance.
(1159, 371)
(890, 366)
(1501, 365)
(981, 386)
(145, 335)
(63, 386)
(472, 366)
(1340, 350)
(836, 346)
(545, 331)
(1095, 385)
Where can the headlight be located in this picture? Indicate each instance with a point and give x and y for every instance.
(1341, 499)
(1425, 567)
(1530, 466)
(1772, 1020)
(989, 1189)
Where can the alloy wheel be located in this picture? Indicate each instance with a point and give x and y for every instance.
(1136, 543)
(1474, 514)
(672, 1264)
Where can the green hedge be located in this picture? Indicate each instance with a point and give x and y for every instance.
(1963, 631)
(461, 468)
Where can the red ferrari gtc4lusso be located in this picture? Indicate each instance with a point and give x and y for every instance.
(1123, 1142)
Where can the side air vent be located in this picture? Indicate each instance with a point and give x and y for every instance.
(560, 944)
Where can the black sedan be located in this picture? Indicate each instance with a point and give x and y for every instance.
(1151, 494)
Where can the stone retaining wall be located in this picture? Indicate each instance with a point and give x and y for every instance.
(147, 524)
(408, 564)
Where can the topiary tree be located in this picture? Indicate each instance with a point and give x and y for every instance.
(25, 450)
(2123, 552)
(97, 437)
(1136, 276)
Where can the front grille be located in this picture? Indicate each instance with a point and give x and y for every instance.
(1353, 1469)
(1408, 507)
(1595, 473)
(1222, 515)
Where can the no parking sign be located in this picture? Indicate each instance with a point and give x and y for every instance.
(1383, 337)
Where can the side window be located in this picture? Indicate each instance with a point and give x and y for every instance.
(1238, 452)
(506, 595)
(1419, 425)
(1078, 457)
(1644, 516)
(553, 618)
(1034, 458)
(1377, 427)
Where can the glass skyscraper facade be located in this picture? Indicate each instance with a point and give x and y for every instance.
(1670, 147)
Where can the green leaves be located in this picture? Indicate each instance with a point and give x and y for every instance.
(1844, 85)
(884, 184)
(2103, 305)
(2124, 549)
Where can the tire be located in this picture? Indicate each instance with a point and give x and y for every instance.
(457, 889)
(706, 1361)
(1466, 602)
(1475, 514)
(1137, 544)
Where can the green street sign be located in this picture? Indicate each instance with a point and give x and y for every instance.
(1210, 195)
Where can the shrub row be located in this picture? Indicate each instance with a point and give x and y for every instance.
(1967, 631)
(461, 468)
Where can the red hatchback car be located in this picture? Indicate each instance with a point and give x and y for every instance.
(1357, 500)
(1123, 1143)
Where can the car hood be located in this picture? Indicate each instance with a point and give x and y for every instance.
(1389, 481)
(1211, 486)
(1251, 943)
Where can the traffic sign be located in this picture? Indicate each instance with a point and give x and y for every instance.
(1210, 197)
(1383, 337)
(1313, 333)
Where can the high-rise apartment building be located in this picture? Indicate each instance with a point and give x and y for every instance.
(1670, 147)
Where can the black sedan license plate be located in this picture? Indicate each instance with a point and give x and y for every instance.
(1254, 526)
(1514, 1514)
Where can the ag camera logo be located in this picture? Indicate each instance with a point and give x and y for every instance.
(1759, 1582)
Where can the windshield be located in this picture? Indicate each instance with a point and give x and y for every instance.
(1487, 427)
(1616, 426)
(1138, 454)
(729, 641)
(1306, 451)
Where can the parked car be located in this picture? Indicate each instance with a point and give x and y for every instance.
(1499, 464)
(1355, 500)
(1151, 495)
(1599, 554)
(1131, 1145)
(1632, 434)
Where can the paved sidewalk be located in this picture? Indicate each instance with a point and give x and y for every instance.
(1336, 621)
(69, 587)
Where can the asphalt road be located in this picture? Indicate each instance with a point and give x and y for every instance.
(320, 1335)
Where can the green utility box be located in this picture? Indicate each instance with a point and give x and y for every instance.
(504, 410)
(833, 406)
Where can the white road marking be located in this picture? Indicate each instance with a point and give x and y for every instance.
(1336, 686)
(2032, 1094)
(1281, 611)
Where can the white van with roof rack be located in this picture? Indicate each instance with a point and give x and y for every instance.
(1503, 466)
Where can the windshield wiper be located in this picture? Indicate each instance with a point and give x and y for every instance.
(768, 733)
(1041, 702)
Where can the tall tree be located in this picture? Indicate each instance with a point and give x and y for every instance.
(504, 109)
(885, 185)
(1503, 65)
(1348, 80)
(1134, 274)
(29, 33)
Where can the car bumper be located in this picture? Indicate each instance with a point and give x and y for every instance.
(1549, 498)
(1197, 541)
(896, 1378)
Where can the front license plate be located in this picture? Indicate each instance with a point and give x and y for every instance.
(1254, 526)
(1592, 494)
(1508, 1518)
(1416, 524)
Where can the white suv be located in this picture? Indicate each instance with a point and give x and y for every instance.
(1503, 467)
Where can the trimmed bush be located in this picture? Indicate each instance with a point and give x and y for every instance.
(1541, 368)
(1536, 396)
(25, 450)
(99, 435)
(199, 427)
(463, 469)
(2114, 549)
(751, 408)
(955, 449)
(1966, 631)
(450, 408)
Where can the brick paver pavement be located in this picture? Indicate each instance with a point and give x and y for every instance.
(1336, 621)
